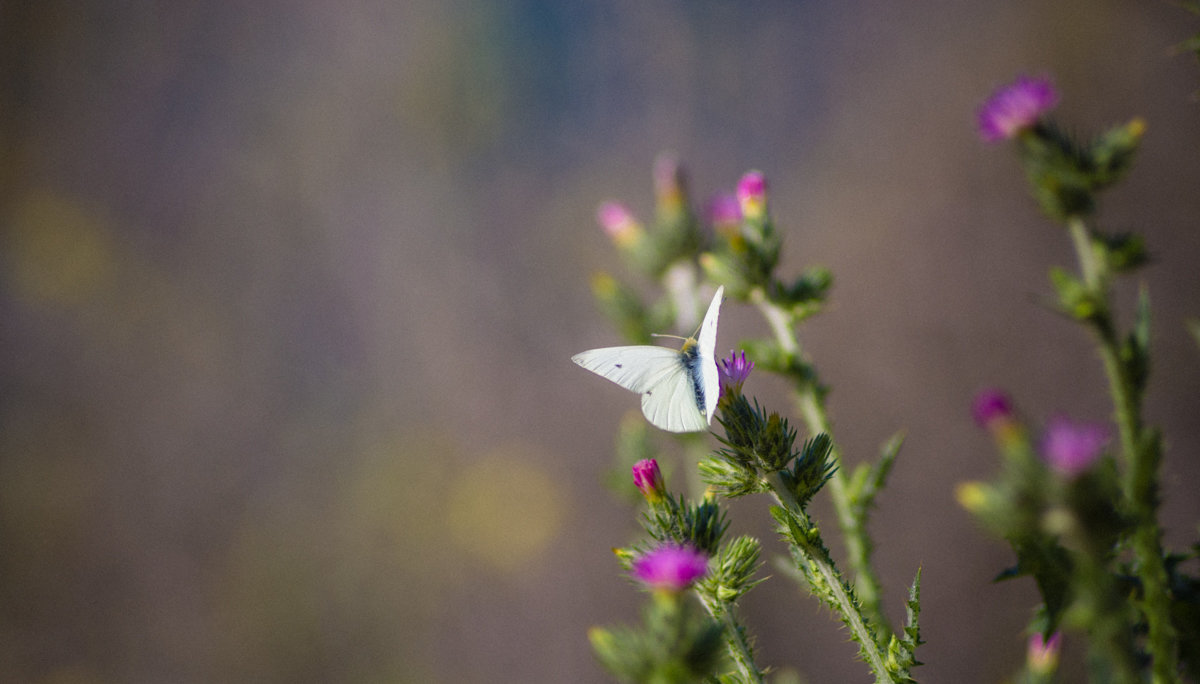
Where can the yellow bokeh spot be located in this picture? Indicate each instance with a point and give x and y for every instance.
(971, 496)
(1136, 127)
(505, 509)
(59, 253)
(604, 285)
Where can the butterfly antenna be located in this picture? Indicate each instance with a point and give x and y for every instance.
(673, 337)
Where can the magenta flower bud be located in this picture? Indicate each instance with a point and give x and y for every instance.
(752, 194)
(1071, 448)
(618, 222)
(1015, 107)
(992, 407)
(670, 568)
(1041, 656)
(649, 480)
(733, 371)
(724, 213)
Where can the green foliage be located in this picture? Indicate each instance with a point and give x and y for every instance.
(730, 479)
(1185, 610)
(1075, 298)
(810, 470)
(803, 296)
(623, 306)
(1125, 251)
(1134, 353)
(754, 438)
(746, 260)
(868, 480)
(731, 572)
(902, 649)
(676, 521)
(770, 356)
(676, 644)
(1065, 175)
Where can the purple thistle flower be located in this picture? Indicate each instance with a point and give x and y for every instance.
(991, 406)
(618, 222)
(1071, 448)
(752, 194)
(649, 480)
(1015, 107)
(670, 568)
(733, 371)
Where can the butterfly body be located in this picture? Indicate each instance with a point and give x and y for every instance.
(679, 388)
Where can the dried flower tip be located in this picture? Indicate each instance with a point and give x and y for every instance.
(670, 568)
(752, 194)
(618, 222)
(733, 371)
(1015, 107)
(1041, 657)
(649, 480)
(1071, 448)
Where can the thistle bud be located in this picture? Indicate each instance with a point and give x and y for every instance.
(649, 480)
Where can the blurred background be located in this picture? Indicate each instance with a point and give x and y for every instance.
(288, 292)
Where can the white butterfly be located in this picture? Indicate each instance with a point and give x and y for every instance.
(679, 388)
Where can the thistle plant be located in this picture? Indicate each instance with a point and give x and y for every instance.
(1076, 500)
(1083, 520)
(761, 452)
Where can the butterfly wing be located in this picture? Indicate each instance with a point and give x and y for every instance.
(659, 375)
(634, 368)
(670, 403)
(706, 344)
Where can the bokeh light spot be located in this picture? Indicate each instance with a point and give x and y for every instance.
(505, 509)
(60, 253)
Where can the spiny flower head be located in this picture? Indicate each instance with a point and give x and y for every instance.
(619, 223)
(752, 194)
(670, 568)
(1071, 448)
(733, 371)
(1015, 107)
(649, 480)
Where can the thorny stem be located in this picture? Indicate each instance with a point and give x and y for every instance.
(1141, 455)
(853, 528)
(818, 557)
(735, 638)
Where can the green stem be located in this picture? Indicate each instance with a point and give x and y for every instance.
(1141, 455)
(852, 525)
(1090, 265)
(735, 638)
(778, 319)
(839, 593)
